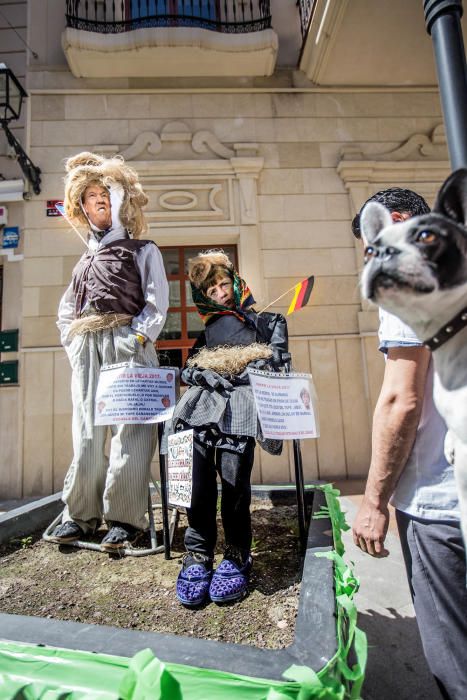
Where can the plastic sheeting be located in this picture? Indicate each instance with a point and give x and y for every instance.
(30, 672)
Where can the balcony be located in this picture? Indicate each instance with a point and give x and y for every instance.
(169, 38)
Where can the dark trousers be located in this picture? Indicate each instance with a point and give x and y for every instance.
(434, 557)
(234, 470)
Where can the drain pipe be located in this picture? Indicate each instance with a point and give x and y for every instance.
(442, 18)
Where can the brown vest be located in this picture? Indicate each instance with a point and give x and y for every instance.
(109, 279)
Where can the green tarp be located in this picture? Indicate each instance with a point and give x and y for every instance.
(30, 672)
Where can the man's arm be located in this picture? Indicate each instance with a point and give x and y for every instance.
(155, 288)
(395, 423)
(66, 314)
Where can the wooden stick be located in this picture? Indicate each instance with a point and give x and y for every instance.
(69, 221)
(278, 298)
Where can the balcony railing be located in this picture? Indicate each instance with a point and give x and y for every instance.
(116, 16)
(306, 8)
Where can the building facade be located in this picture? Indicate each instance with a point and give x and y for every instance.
(260, 127)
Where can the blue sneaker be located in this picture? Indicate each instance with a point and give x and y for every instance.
(194, 579)
(231, 578)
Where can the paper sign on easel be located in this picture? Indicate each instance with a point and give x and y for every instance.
(180, 468)
(130, 394)
(286, 403)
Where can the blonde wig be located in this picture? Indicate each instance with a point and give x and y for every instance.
(87, 169)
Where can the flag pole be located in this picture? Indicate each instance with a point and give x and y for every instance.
(76, 230)
(278, 298)
(69, 221)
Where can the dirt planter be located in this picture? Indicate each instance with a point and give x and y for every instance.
(324, 631)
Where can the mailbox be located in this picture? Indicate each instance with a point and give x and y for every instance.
(9, 372)
(9, 340)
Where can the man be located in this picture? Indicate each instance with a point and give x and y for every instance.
(112, 312)
(408, 467)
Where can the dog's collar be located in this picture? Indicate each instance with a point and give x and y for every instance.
(449, 330)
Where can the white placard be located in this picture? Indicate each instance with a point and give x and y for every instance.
(180, 468)
(286, 404)
(129, 394)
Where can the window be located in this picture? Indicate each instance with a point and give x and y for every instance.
(207, 9)
(183, 324)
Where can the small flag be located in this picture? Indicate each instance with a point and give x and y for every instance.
(301, 295)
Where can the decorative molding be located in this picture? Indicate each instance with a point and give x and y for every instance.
(147, 140)
(191, 203)
(200, 190)
(203, 141)
(193, 179)
(418, 146)
(175, 138)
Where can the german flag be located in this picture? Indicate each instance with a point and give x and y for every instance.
(301, 295)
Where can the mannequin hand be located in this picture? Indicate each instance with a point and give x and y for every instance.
(206, 378)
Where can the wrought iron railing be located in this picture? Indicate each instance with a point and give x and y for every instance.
(306, 8)
(116, 16)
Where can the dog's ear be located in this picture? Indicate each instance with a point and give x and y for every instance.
(373, 219)
(452, 197)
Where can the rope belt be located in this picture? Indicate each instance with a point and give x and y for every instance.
(91, 323)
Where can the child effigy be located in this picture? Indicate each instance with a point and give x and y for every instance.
(219, 406)
(111, 313)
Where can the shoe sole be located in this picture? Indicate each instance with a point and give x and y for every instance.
(228, 599)
(110, 547)
(191, 603)
(64, 540)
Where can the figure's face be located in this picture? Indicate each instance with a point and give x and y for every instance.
(222, 292)
(306, 398)
(96, 203)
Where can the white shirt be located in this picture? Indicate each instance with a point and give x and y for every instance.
(153, 284)
(426, 488)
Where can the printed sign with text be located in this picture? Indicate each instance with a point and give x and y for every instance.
(180, 468)
(131, 394)
(286, 404)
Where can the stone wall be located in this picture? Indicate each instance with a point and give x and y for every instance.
(300, 226)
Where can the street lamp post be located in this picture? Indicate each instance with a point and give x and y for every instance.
(12, 95)
(442, 19)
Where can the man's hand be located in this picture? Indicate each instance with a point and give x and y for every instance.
(370, 528)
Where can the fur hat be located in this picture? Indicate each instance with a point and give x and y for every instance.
(86, 169)
(207, 266)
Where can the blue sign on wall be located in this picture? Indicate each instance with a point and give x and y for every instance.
(10, 237)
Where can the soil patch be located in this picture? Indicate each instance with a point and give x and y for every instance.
(65, 583)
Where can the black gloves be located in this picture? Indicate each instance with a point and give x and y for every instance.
(205, 377)
(275, 363)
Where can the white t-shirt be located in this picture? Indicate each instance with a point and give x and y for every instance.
(426, 488)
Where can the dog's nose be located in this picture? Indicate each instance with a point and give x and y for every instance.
(389, 251)
(373, 251)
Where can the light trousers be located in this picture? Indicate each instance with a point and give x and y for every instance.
(98, 487)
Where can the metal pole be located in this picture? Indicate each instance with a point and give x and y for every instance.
(299, 481)
(165, 505)
(300, 487)
(442, 19)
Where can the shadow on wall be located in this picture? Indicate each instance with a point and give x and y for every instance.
(396, 666)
